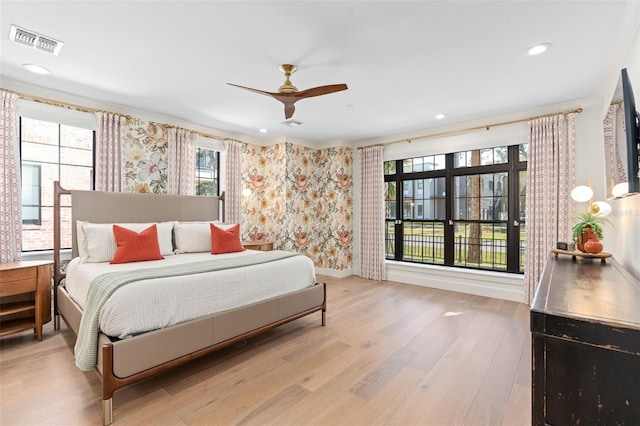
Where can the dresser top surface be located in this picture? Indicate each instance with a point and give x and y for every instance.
(589, 290)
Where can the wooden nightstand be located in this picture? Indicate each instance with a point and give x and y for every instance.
(258, 245)
(25, 296)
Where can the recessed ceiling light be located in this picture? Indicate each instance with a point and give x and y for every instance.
(292, 123)
(263, 130)
(36, 69)
(440, 116)
(538, 49)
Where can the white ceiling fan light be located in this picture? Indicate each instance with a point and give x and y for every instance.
(538, 49)
(292, 123)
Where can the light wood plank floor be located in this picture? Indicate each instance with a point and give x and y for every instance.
(390, 354)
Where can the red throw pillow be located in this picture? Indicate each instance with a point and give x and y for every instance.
(136, 247)
(225, 241)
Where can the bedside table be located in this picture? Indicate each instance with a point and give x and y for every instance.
(258, 245)
(25, 296)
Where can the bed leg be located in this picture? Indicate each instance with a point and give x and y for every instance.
(56, 322)
(324, 318)
(107, 411)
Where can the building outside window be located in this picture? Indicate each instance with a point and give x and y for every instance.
(49, 152)
(463, 209)
(207, 171)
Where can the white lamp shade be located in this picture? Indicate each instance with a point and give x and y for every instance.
(581, 193)
(620, 189)
(603, 208)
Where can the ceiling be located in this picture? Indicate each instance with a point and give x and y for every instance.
(404, 61)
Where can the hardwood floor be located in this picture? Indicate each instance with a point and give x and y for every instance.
(390, 354)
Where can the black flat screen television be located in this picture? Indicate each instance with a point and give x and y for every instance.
(632, 131)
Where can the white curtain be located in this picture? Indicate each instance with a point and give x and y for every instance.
(110, 139)
(550, 178)
(181, 154)
(372, 237)
(233, 181)
(615, 145)
(10, 186)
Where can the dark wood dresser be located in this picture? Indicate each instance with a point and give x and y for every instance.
(585, 325)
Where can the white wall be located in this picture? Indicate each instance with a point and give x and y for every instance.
(623, 241)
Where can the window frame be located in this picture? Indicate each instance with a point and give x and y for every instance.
(514, 246)
(215, 171)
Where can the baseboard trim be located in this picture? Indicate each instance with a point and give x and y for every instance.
(334, 273)
(481, 283)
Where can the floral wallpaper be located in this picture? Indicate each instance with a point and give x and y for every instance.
(146, 157)
(300, 198)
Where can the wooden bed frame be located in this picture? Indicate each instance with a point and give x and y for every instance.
(127, 361)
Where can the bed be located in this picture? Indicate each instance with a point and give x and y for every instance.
(207, 317)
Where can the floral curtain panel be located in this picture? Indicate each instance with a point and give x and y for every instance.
(10, 186)
(550, 178)
(110, 140)
(615, 143)
(233, 179)
(181, 152)
(372, 264)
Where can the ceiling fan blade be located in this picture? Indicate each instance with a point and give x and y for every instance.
(262, 92)
(320, 90)
(289, 109)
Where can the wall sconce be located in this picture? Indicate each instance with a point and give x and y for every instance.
(620, 190)
(246, 192)
(584, 193)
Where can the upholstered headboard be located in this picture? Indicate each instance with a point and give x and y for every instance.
(114, 207)
(121, 207)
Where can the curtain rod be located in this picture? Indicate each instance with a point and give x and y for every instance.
(470, 129)
(81, 108)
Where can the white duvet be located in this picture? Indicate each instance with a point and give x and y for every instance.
(151, 304)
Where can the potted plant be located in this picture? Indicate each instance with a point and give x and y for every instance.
(587, 223)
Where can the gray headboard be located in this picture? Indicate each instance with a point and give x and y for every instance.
(112, 207)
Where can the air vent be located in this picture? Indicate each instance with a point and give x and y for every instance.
(35, 40)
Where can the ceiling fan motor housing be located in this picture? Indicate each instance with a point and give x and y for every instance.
(287, 87)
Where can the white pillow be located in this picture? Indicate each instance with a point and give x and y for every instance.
(195, 237)
(100, 244)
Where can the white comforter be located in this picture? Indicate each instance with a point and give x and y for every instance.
(148, 305)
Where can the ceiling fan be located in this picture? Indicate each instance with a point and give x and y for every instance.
(288, 94)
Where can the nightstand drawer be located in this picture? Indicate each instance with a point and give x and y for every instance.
(18, 274)
(16, 287)
(258, 245)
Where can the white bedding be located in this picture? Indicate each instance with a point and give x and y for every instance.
(148, 305)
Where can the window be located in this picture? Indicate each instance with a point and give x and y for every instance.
(207, 171)
(49, 152)
(30, 194)
(464, 209)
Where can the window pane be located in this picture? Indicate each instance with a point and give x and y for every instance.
(62, 153)
(390, 200)
(423, 242)
(390, 238)
(460, 159)
(207, 171)
(31, 194)
(407, 166)
(481, 197)
(480, 245)
(523, 152)
(500, 155)
(439, 162)
(426, 198)
(389, 167)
